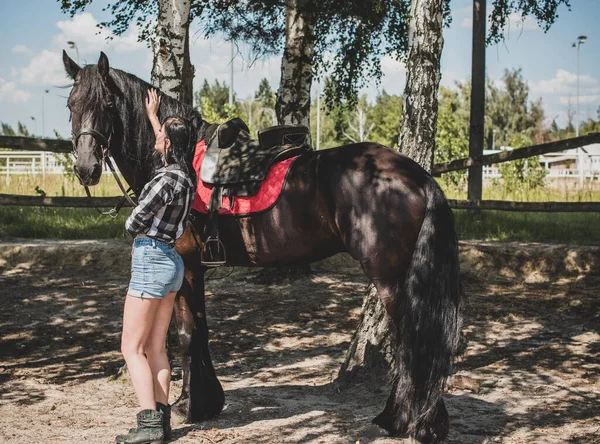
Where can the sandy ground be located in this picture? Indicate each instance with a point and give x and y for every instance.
(530, 374)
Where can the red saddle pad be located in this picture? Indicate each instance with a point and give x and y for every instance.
(267, 195)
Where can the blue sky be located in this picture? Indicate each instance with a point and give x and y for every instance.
(33, 34)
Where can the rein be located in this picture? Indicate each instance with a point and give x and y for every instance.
(104, 157)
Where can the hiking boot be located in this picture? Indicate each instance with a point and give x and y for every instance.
(166, 419)
(148, 431)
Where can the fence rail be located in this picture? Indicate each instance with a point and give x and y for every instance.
(546, 207)
(31, 144)
(70, 202)
(64, 146)
(520, 153)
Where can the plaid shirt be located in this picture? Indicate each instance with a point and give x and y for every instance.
(163, 205)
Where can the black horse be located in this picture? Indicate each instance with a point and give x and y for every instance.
(365, 199)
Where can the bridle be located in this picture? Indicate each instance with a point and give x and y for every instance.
(104, 157)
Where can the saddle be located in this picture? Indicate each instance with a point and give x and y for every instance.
(235, 164)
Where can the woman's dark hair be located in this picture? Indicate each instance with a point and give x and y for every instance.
(177, 130)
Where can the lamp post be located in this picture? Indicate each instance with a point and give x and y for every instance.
(34, 122)
(46, 91)
(231, 79)
(73, 45)
(581, 39)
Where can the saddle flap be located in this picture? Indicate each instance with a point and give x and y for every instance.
(224, 137)
(228, 132)
(233, 157)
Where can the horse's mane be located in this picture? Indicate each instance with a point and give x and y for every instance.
(133, 92)
(122, 98)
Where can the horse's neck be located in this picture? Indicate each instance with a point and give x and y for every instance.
(134, 141)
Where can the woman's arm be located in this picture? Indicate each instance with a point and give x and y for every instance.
(152, 103)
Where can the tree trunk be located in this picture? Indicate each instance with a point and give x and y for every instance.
(293, 96)
(172, 71)
(419, 117)
(292, 104)
(372, 345)
(371, 352)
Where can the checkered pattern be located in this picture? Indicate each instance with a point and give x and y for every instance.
(163, 206)
(269, 191)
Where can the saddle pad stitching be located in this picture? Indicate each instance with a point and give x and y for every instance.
(285, 136)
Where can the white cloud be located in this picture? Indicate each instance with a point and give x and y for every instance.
(560, 94)
(583, 100)
(9, 92)
(565, 83)
(90, 39)
(22, 49)
(45, 68)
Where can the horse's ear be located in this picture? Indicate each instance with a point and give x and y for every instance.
(71, 67)
(103, 66)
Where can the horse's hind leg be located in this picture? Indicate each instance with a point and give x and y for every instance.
(400, 413)
(202, 396)
(426, 311)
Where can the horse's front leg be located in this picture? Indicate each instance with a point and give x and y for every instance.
(202, 396)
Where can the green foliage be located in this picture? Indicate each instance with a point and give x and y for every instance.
(544, 11)
(265, 94)
(452, 138)
(22, 131)
(211, 114)
(522, 175)
(340, 124)
(264, 106)
(386, 115)
(510, 113)
(350, 37)
(215, 98)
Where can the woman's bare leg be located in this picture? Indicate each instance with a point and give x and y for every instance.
(138, 319)
(156, 351)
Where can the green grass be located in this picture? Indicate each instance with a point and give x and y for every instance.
(61, 223)
(563, 228)
(86, 223)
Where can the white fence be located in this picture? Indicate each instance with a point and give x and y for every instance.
(30, 162)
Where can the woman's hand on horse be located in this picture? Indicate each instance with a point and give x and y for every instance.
(152, 103)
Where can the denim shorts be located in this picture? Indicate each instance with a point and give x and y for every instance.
(156, 269)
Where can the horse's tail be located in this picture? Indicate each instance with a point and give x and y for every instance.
(428, 323)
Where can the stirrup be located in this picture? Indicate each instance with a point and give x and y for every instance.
(213, 253)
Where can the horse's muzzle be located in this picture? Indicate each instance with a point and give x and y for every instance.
(89, 176)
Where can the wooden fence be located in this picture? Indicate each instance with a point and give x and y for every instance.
(64, 146)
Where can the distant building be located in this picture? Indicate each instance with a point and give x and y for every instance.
(564, 164)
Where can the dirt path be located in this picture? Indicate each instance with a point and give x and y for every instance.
(530, 374)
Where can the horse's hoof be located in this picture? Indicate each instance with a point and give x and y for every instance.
(182, 407)
(387, 422)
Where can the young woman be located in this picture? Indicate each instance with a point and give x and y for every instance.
(156, 276)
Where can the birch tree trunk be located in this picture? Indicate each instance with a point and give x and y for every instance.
(419, 117)
(292, 104)
(372, 347)
(293, 96)
(172, 70)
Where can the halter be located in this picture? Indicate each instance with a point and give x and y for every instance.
(103, 157)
